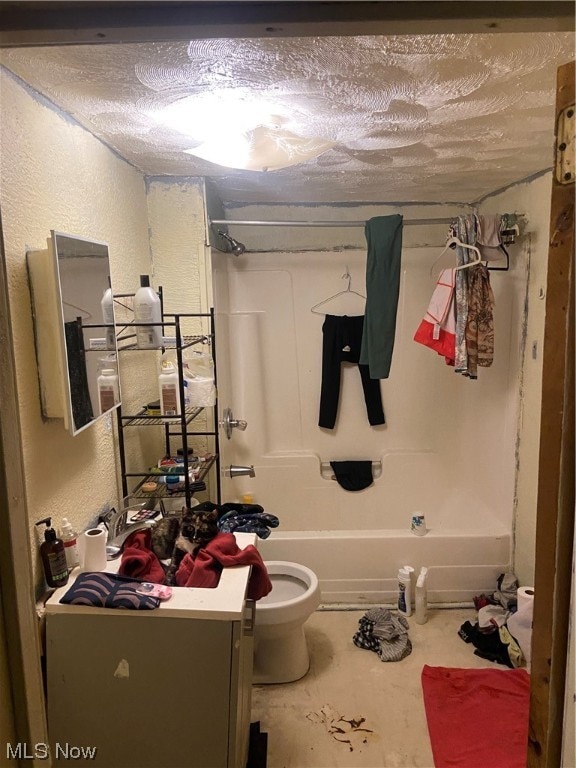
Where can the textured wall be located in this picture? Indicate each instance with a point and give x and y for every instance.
(55, 175)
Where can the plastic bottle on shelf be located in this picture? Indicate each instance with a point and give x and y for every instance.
(147, 309)
(108, 389)
(107, 305)
(405, 590)
(421, 597)
(169, 390)
(70, 539)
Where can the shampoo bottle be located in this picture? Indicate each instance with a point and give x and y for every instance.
(405, 590)
(421, 598)
(53, 556)
(108, 390)
(169, 389)
(70, 540)
(147, 309)
(107, 305)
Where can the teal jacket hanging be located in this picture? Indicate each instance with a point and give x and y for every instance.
(384, 239)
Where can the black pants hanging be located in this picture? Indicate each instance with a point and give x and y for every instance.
(342, 339)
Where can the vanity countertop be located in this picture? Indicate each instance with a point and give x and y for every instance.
(223, 603)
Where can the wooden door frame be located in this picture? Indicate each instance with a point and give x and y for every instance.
(16, 580)
(555, 505)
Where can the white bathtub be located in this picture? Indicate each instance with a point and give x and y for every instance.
(361, 567)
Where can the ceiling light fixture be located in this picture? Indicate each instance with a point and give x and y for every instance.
(235, 130)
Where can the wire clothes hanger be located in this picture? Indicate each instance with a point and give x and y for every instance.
(455, 241)
(347, 291)
(85, 314)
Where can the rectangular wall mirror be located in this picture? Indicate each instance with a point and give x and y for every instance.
(74, 327)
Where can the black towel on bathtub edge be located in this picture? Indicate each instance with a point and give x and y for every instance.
(353, 475)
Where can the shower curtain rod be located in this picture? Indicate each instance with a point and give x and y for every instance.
(322, 223)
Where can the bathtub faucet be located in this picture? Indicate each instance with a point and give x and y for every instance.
(234, 471)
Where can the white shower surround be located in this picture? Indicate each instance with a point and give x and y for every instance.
(448, 448)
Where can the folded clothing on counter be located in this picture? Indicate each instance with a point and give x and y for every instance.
(108, 590)
(203, 567)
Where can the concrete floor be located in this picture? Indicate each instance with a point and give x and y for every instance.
(383, 700)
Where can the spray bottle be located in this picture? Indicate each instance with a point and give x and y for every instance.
(53, 556)
(107, 305)
(70, 540)
(421, 597)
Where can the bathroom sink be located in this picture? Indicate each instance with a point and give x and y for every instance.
(225, 602)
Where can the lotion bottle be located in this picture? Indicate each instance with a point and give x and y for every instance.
(53, 556)
(108, 390)
(405, 590)
(107, 305)
(421, 597)
(169, 390)
(70, 540)
(147, 309)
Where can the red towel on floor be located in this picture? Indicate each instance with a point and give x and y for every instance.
(203, 568)
(477, 718)
(138, 559)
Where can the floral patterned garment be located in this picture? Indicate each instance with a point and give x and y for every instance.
(465, 230)
(480, 321)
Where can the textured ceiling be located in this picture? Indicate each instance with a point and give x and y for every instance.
(432, 118)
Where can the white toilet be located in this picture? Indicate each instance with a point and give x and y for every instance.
(280, 650)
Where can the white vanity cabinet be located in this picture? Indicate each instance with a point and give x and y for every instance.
(167, 688)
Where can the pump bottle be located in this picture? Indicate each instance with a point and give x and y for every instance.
(405, 590)
(70, 540)
(53, 556)
(147, 309)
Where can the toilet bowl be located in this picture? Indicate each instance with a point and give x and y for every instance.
(280, 650)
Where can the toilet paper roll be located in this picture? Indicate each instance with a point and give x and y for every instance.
(95, 549)
(525, 596)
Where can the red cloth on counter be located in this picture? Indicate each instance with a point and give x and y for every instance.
(139, 560)
(203, 568)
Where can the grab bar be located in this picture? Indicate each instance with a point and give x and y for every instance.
(328, 473)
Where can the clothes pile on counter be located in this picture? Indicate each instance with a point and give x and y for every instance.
(385, 633)
(190, 550)
(502, 632)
